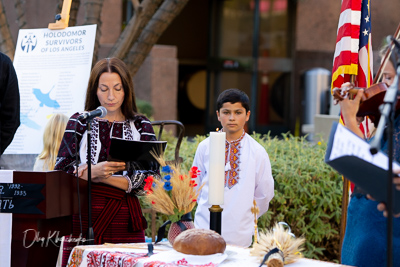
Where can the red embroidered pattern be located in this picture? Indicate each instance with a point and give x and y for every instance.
(232, 155)
(76, 258)
(113, 259)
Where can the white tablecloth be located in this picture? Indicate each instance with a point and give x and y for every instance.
(233, 256)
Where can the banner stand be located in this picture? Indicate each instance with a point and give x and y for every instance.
(62, 19)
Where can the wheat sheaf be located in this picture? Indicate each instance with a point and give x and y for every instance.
(182, 197)
(277, 247)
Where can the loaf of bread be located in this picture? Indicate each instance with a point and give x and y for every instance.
(199, 242)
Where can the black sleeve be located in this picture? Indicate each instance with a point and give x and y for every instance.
(10, 103)
(138, 173)
(66, 157)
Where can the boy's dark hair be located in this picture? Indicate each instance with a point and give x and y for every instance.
(233, 96)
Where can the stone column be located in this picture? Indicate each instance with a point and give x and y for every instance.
(157, 82)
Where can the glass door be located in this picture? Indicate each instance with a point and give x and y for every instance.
(250, 50)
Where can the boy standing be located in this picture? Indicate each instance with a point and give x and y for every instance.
(248, 174)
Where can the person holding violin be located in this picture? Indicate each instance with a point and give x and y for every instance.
(364, 243)
(372, 97)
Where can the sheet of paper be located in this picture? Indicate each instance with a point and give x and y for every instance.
(346, 143)
(53, 68)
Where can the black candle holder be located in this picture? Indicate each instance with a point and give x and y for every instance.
(215, 218)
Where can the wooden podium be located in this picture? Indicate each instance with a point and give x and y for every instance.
(35, 237)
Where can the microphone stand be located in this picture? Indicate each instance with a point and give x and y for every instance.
(90, 234)
(387, 114)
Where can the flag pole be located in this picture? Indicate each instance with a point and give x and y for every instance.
(343, 219)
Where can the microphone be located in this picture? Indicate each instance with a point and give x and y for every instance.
(98, 112)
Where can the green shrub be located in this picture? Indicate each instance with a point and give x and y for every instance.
(144, 107)
(307, 194)
(307, 191)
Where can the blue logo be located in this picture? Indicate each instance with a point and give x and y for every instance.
(45, 99)
(29, 42)
(28, 122)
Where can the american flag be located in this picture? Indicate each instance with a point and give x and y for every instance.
(365, 65)
(353, 52)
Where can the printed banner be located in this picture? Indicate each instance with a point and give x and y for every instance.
(53, 68)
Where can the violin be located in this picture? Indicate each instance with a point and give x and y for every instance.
(370, 101)
(374, 95)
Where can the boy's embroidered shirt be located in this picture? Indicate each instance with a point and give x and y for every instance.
(255, 183)
(232, 161)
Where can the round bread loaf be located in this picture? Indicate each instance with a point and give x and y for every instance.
(199, 242)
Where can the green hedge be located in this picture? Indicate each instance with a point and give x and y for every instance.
(307, 191)
(144, 107)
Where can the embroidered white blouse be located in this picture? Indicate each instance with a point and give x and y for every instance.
(253, 181)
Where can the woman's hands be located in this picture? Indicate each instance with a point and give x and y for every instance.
(349, 109)
(81, 169)
(101, 171)
(106, 169)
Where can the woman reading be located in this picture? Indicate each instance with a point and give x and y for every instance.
(116, 213)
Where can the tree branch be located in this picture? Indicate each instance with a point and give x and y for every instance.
(135, 4)
(152, 32)
(7, 45)
(134, 28)
(92, 16)
(20, 10)
(59, 6)
(74, 12)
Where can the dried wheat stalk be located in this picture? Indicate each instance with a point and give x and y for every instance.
(182, 197)
(288, 247)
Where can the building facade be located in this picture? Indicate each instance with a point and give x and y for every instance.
(262, 47)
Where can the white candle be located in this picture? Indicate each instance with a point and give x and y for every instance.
(216, 177)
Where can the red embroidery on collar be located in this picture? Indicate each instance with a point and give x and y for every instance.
(232, 155)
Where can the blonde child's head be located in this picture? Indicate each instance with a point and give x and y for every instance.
(52, 136)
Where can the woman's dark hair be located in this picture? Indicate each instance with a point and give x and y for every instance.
(112, 65)
(393, 57)
(233, 96)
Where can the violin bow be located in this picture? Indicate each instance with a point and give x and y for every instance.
(387, 55)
